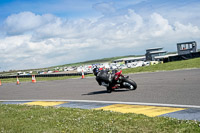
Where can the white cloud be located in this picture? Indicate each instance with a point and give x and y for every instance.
(159, 25)
(26, 22)
(35, 41)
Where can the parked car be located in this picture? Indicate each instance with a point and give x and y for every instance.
(21, 73)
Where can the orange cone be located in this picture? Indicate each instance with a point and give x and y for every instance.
(0, 82)
(18, 81)
(83, 76)
(33, 79)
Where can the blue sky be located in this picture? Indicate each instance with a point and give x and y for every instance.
(43, 33)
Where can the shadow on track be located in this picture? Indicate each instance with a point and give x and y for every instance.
(103, 92)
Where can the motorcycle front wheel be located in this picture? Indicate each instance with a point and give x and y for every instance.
(131, 84)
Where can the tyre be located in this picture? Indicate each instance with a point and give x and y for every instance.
(131, 84)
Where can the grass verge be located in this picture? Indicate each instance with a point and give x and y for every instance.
(32, 119)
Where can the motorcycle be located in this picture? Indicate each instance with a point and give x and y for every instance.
(114, 80)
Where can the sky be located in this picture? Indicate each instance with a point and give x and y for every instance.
(44, 33)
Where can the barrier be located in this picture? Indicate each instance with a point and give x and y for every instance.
(44, 75)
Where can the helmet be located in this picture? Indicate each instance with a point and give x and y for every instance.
(95, 71)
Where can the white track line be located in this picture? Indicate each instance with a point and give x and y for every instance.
(112, 102)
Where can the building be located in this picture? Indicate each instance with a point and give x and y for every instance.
(185, 51)
(186, 48)
(161, 58)
(151, 53)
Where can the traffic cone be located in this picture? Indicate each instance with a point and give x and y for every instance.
(0, 82)
(83, 76)
(18, 81)
(33, 79)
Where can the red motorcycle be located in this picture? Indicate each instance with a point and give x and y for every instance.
(114, 80)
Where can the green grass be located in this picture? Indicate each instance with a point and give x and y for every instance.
(176, 65)
(38, 119)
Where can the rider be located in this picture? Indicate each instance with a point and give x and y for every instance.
(103, 77)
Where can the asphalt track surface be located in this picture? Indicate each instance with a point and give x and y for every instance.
(173, 94)
(180, 87)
